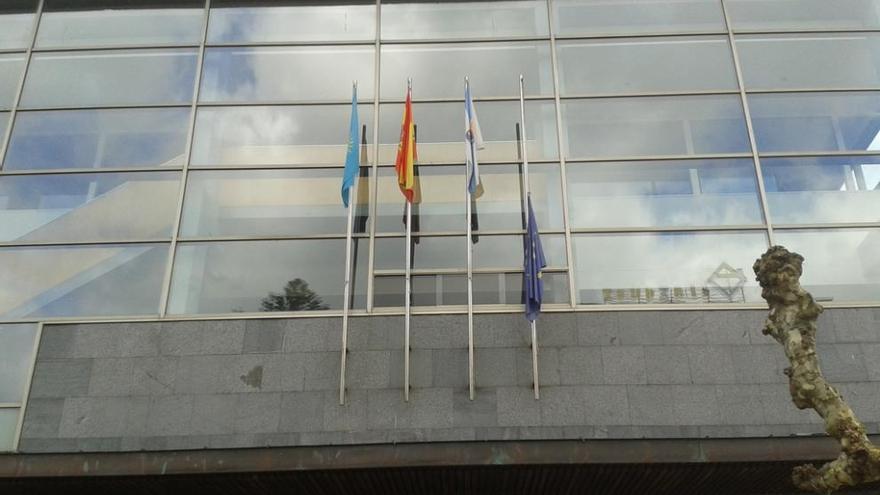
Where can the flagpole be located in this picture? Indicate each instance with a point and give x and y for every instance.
(408, 287)
(470, 273)
(346, 288)
(525, 158)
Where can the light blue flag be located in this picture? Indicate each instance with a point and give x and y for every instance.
(473, 141)
(352, 160)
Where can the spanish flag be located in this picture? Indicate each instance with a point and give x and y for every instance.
(407, 178)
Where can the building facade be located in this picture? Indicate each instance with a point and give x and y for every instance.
(172, 240)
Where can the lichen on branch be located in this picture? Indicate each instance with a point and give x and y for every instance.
(792, 323)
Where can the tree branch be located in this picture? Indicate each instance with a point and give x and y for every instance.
(792, 323)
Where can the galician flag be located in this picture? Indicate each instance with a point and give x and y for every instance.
(407, 155)
(533, 285)
(352, 160)
(473, 141)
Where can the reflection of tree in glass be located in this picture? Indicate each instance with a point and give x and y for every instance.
(297, 296)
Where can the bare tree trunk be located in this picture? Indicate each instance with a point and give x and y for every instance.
(792, 323)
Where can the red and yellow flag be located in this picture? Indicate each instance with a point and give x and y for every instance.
(407, 155)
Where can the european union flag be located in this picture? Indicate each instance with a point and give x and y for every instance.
(352, 160)
(533, 285)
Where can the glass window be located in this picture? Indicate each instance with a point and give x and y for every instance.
(682, 125)
(451, 20)
(816, 121)
(501, 206)
(111, 24)
(676, 267)
(234, 277)
(236, 22)
(440, 131)
(597, 17)
(103, 280)
(277, 135)
(271, 202)
(8, 425)
(88, 207)
(491, 252)
(804, 14)
(10, 75)
(823, 189)
(493, 69)
(16, 356)
(119, 77)
(663, 194)
(442, 208)
(620, 66)
(286, 74)
(450, 289)
(839, 265)
(118, 138)
(4, 125)
(16, 22)
(810, 61)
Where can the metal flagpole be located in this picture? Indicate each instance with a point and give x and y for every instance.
(470, 268)
(525, 158)
(346, 288)
(407, 279)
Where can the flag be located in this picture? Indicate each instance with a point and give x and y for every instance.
(351, 156)
(407, 155)
(473, 140)
(533, 285)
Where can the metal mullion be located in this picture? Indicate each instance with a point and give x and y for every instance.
(682, 229)
(27, 386)
(395, 272)
(484, 99)
(254, 168)
(26, 244)
(246, 238)
(175, 232)
(276, 103)
(10, 405)
(454, 233)
(569, 255)
(758, 91)
(292, 44)
(104, 107)
(827, 226)
(652, 34)
(74, 171)
(4, 140)
(650, 94)
(14, 51)
(374, 167)
(805, 31)
(808, 154)
(759, 176)
(95, 48)
(489, 163)
(451, 41)
(644, 158)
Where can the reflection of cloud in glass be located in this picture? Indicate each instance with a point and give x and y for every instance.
(463, 19)
(636, 16)
(10, 74)
(292, 23)
(657, 261)
(120, 27)
(15, 30)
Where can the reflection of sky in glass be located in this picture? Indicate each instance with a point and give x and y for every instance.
(452, 20)
(227, 277)
(816, 121)
(120, 27)
(803, 14)
(683, 125)
(275, 135)
(87, 207)
(573, 17)
(662, 261)
(98, 138)
(266, 202)
(663, 194)
(493, 69)
(443, 253)
(16, 354)
(810, 61)
(292, 23)
(128, 77)
(10, 75)
(823, 189)
(81, 280)
(840, 265)
(299, 74)
(15, 30)
(657, 64)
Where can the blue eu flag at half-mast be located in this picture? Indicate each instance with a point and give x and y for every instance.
(352, 160)
(533, 284)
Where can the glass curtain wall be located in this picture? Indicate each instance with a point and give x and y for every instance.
(179, 158)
